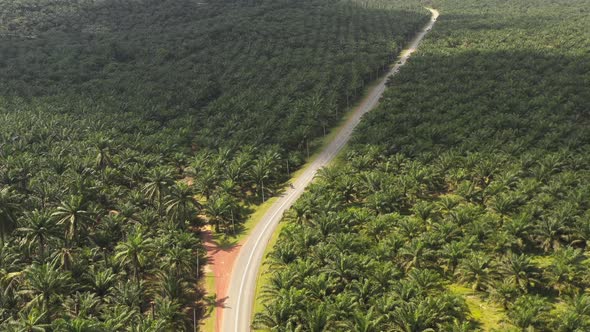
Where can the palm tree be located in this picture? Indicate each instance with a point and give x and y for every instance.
(363, 290)
(519, 228)
(582, 231)
(10, 276)
(318, 319)
(218, 209)
(503, 292)
(579, 303)
(528, 311)
(83, 304)
(179, 260)
(100, 281)
(423, 210)
(452, 254)
(548, 233)
(130, 295)
(413, 317)
(77, 324)
(566, 269)
(103, 156)
(169, 312)
(180, 203)
(574, 316)
(519, 271)
(158, 181)
(503, 205)
(273, 317)
(319, 286)
(64, 256)
(283, 312)
(458, 326)
(134, 251)
(568, 321)
(35, 320)
(39, 227)
(300, 212)
(73, 215)
(476, 270)
(415, 253)
(260, 171)
(365, 321)
(206, 182)
(43, 283)
(117, 317)
(277, 281)
(9, 208)
(175, 287)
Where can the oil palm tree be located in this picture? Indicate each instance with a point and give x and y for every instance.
(475, 270)
(413, 317)
(103, 155)
(365, 321)
(100, 280)
(73, 214)
(519, 270)
(9, 208)
(528, 311)
(260, 172)
(451, 254)
(77, 324)
(415, 254)
(318, 319)
(43, 285)
(174, 287)
(169, 312)
(39, 228)
(181, 204)
(218, 209)
(566, 270)
(179, 261)
(158, 181)
(135, 251)
(33, 320)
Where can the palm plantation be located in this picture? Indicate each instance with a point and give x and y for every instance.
(462, 203)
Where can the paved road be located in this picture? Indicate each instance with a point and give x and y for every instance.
(240, 301)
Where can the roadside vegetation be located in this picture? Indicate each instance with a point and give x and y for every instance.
(128, 125)
(462, 204)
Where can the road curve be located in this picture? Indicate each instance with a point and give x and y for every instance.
(239, 303)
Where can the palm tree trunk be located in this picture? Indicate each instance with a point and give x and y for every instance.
(136, 269)
(41, 247)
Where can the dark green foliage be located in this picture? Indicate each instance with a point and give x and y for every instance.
(227, 73)
(127, 125)
(474, 170)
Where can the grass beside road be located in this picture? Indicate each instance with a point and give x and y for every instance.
(264, 272)
(209, 321)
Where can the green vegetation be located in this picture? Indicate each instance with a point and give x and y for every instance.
(127, 125)
(463, 202)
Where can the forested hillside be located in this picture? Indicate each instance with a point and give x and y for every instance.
(463, 203)
(127, 125)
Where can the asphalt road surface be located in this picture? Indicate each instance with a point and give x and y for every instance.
(242, 287)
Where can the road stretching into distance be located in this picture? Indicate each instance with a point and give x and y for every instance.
(238, 307)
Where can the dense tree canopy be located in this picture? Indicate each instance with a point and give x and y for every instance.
(127, 125)
(467, 190)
